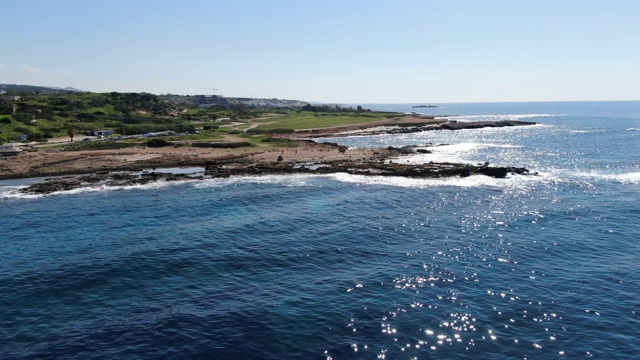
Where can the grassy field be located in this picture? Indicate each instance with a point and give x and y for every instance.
(309, 120)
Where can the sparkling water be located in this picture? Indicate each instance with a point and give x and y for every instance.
(342, 266)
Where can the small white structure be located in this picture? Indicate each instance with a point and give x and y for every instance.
(10, 149)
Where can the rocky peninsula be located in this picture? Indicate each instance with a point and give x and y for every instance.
(294, 153)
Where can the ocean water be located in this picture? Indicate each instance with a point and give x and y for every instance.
(341, 266)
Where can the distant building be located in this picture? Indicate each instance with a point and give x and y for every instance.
(105, 132)
(209, 99)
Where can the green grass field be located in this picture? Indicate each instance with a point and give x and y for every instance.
(309, 120)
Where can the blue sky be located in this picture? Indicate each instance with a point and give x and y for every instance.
(347, 51)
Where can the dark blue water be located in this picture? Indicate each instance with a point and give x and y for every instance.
(344, 266)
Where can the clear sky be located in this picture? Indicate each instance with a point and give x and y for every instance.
(348, 51)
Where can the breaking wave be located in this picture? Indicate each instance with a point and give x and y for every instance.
(507, 117)
(624, 178)
(14, 192)
(454, 153)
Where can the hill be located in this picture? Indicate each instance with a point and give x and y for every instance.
(38, 116)
(36, 89)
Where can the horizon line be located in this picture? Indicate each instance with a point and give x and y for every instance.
(347, 102)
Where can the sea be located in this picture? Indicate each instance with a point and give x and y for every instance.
(545, 266)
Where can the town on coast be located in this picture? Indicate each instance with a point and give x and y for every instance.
(76, 139)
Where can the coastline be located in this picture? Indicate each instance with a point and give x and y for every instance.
(301, 155)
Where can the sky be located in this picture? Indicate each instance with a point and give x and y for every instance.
(336, 51)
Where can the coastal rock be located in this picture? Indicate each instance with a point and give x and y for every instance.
(117, 179)
(418, 125)
(430, 170)
(451, 125)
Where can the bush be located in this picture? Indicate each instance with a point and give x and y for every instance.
(222, 145)
(23, 118)
(86, 117)
(271, 131)
(158, 143)
(77, 105)
(96, 145)
(5, 121)
(98, 102)
(279, 142)
(35, 135)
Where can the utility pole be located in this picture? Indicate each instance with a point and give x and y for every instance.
(212, 89)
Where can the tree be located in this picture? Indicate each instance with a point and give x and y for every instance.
(71, 132)
(23, 118)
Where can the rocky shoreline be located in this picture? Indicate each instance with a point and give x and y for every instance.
(133, 166)
(413, 125)
(224, 168)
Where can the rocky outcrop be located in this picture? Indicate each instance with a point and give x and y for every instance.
(456, 125)
(67, 183)
(377, 168)
(227, 168)
(413, 127)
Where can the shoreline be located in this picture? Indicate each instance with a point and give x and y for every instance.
(302, 155)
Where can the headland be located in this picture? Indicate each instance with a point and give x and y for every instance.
(294, 152)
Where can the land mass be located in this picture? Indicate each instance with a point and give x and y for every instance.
(293, 152)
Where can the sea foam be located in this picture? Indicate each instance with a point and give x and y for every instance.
(624, 178)
(453, 153)
(14, 192)
(510, 182)
(507, 117)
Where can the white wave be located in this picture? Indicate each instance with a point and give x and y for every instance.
(13, 192)
(624, 178)
(455, 153)
(287, 180)
(506, 117)
(512, 181)
(100, 188)
(633, 129)
(300, 180)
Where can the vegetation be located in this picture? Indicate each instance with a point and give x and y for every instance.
(279, 142)
(222, 145)
(312, 120)
(96, 145)
(156, 143)
(38, 116)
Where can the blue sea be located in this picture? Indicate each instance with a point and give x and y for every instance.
(347, 267)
